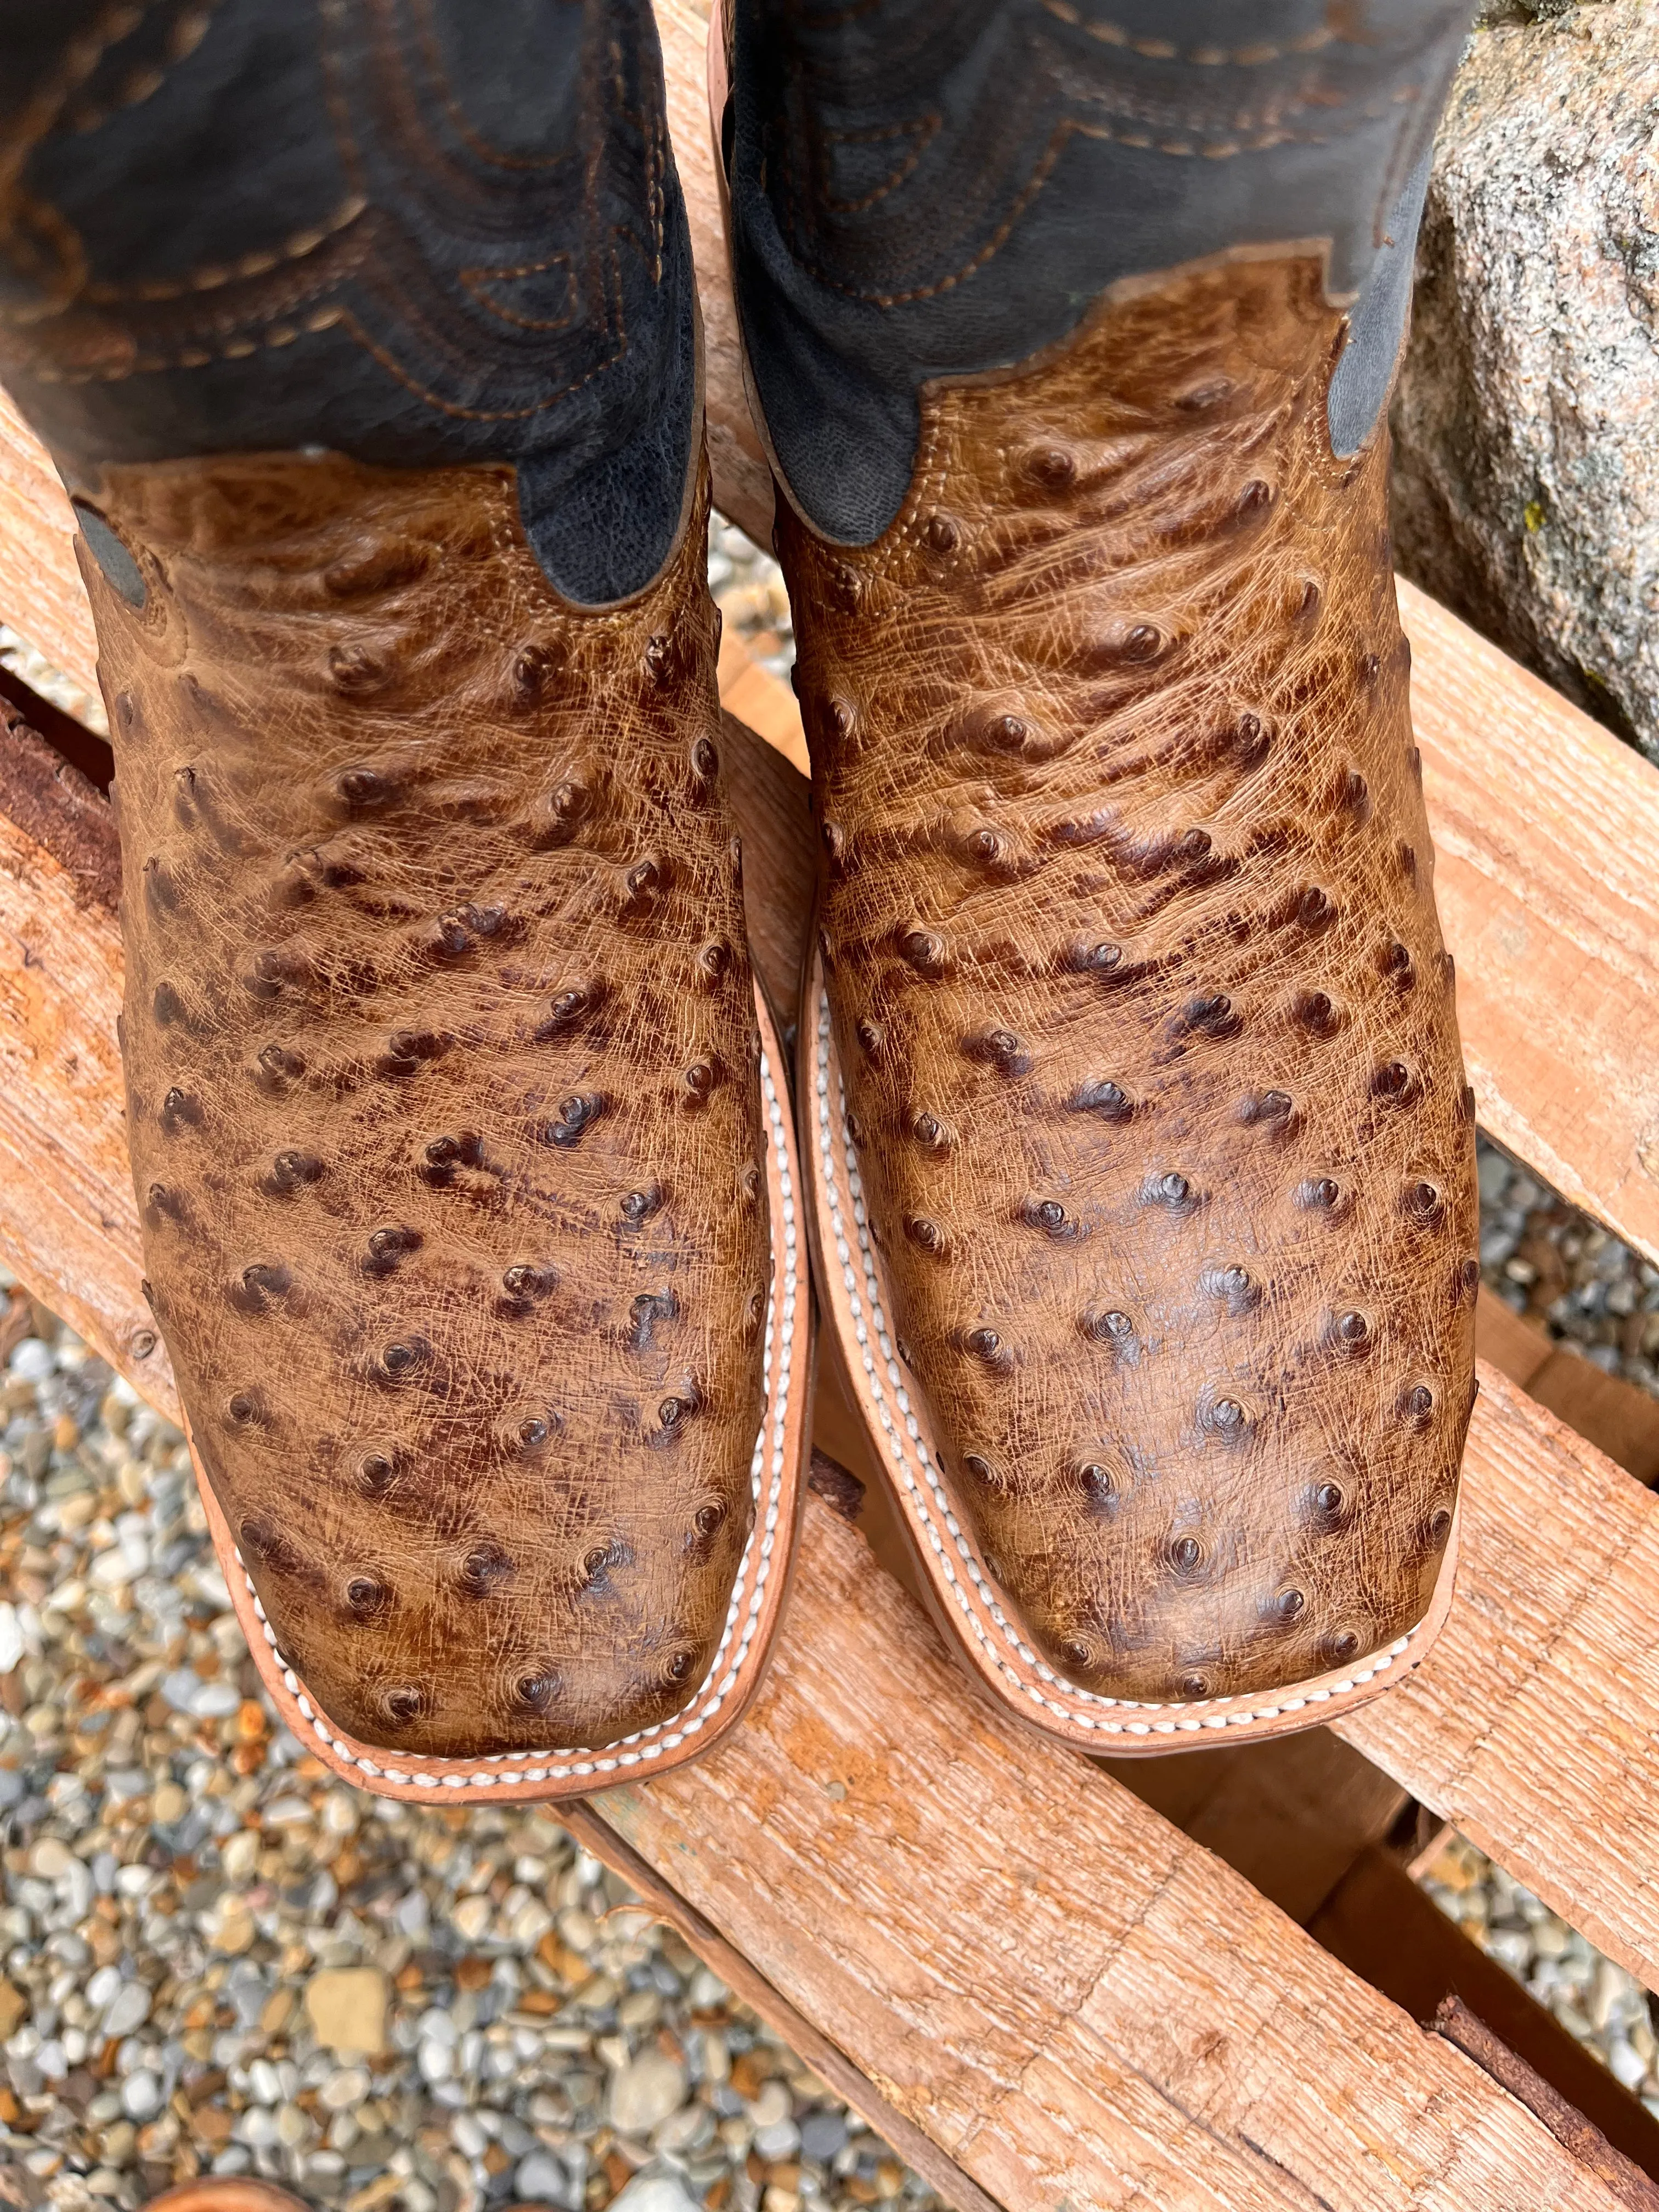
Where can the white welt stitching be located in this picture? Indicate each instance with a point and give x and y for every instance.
(741, 1617)
(906, 1445)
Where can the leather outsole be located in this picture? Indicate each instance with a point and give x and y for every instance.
(720, 1698)
(979, 1621)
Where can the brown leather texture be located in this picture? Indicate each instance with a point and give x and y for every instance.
(1126, 907)
(442, 1088)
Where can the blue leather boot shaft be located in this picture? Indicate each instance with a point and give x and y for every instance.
(414, 231)
(926, 188)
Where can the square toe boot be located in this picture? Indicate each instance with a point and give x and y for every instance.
(458, 1129)
(1141, 1154)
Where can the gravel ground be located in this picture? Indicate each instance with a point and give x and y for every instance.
(215, 1958)
(1539, 1254)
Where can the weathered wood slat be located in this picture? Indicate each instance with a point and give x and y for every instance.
(1076, 2002)
(1378, 1921)
(41, 592)
(68, 1221)
(1545, 833)
(1533, 1724)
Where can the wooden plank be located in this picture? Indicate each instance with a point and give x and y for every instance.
(761, 700)
(52, 803)
(41, 592)
(1615, 1415)
(770, 799)
(1078, 2003)
(1520, 1347)
(1529, 1652)
(70, 740)
(69, 1220)
(1291, 1814)
(1531, 1724)
(1546, 829)
(743, 476)
(1628, 2183)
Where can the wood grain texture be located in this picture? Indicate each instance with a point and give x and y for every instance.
(1076, 2003)
(1291, 1813)
(48, 799)
(1629, 2183)
(770, 802)
(68, 1221)
(41, 589)
(1618, 1417)
(1383, 1925)
(1558, 1576)
(1531, 1724)
(1551, 1640)
(742, 473)
(1545, 830)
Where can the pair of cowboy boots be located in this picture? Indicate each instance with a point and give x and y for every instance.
(1135, 1152)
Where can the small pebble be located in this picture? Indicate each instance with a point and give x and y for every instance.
(346, 2086)
(129, 2008)
(540, 2176)
(823, 2134)
(654, 2192)
(141, 2095)
(645, 2092)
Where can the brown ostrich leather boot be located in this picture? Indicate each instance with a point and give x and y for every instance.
(1140, 1153)
(459, 1130)
(1143, 1153)
(456, 1123)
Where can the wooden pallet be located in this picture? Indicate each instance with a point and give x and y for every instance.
(1041, 1988)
